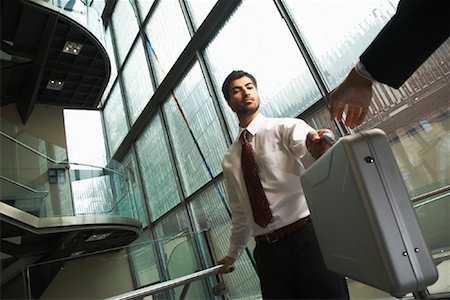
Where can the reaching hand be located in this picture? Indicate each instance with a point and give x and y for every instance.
(315, 145)
(353, 96)
(228, 264)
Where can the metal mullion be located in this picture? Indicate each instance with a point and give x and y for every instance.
(204, 34)
(119, 80)
(172, 156)
(217, 107)
(198, 241)
(187, 17)
(141, 32)
(310, 61)
(176, 171)
(215, 97)
(150, 12)
(150, 226)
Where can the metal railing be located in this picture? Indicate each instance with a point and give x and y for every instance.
(164, 286)
(102, 190)
(50, 159)
(44, 193)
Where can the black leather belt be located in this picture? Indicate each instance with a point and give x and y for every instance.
(282, 232)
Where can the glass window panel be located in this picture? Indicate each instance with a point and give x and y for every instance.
(434, 215)
(261, 44)
(418, 125)
(422, 150)
(167, 33)
(144, 261)
(209, 212)
(416, 119)
(137, 82)
(125, 24)
(194, 126)
(199, 9)
(178, 251)
(144, 7)
(115, 121)
(98, 6)
(110, 50)
(158, 175)
(135, 185)
(350, 27)
(318, 119)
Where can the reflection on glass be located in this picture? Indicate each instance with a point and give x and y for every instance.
(157, 172)
(209, 210)
(111, 273)
(90, 193)
(178, 252)
(421, 98)
(261, 44)
(33, 181)
(434, 217)
(86, 276)
(167, 35)
(114, 118)
(199, 10)
(416, 119)
(422, 151)
(137, 82)
(134, 186)
(197, 137)
(144, 261)
(125, 25)
(337, 32)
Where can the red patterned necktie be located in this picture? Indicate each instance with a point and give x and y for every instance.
(260, 206)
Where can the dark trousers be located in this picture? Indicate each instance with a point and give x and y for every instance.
(293, 268)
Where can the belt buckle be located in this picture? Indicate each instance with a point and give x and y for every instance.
(269, 240)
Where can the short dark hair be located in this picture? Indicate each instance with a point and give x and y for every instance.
(233, 76)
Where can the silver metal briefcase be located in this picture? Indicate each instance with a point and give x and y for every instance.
(363, 217)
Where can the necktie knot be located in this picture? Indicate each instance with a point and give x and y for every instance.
(244, 136)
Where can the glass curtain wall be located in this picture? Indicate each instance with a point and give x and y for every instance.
(125, 26)
(261, 44)
(137, 82)
(194, 128)
(143, 261)
(158, 174)
(114, 118)
(166, 34)
(199, 10)
(179, 254)
(180, 138)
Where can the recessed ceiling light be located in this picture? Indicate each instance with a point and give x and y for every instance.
(54, 84)
(72, 48)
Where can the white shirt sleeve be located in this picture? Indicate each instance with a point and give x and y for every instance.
(241, 229)
(295, 132)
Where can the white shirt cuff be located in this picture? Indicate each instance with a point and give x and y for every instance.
(362, 71)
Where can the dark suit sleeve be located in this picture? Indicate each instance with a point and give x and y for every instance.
(416, 30)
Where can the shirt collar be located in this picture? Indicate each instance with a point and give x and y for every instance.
(254, 125)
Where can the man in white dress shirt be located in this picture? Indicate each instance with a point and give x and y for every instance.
(288, 259)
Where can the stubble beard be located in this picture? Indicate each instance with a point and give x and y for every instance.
(249, 110)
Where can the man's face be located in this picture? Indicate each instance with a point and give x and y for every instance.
(244, 98)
